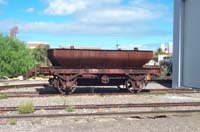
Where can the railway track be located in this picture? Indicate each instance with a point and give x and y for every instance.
(7, 86)
(180, 104)
(103, 106)
(99, 106)
(54, 93)
(78, 93)
(101, 114)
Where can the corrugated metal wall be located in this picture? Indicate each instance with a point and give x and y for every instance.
(187, 44)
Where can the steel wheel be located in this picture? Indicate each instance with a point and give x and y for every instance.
(67, 90)
(61, 90)
(140, 86)
(129, 86)
(72, 89)
(135, 86)
(57, 85)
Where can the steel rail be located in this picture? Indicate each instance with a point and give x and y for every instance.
(99, 114)
(5, 87)
(32, 95)
(117, 92)
(145, 91)
(98, 106)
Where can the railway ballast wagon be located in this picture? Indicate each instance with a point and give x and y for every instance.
(95, 67)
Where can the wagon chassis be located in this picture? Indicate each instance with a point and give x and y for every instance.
(66, 80)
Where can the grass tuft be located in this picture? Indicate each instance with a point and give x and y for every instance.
(70, 108)
(12, 121)
(26, 108)
(3, 96)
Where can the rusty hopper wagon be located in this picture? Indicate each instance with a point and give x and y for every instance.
(93, 67)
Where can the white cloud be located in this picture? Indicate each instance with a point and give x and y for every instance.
(3, 2)
(67, 7)
(123, 15)
(100, 17)
(30, 10)
(134, 11)
(140, 46)
(107, 11)
(68, 28)
(64, 7)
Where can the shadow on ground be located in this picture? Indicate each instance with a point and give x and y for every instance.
(80, 90)
(103, 89)
(165, 83)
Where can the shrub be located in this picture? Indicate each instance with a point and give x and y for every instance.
(40, 55)
(26, 108)
(15, 57)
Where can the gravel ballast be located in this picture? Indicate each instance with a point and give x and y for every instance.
(168, 124)
(182, 123)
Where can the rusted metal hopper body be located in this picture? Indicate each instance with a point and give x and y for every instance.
(99, 59)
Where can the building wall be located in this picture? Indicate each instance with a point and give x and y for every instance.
(162, 46)
(186, 48)
(36, 44)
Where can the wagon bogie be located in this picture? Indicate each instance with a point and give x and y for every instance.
(66, 81)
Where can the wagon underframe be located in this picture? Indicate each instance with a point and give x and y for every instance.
(66, 80)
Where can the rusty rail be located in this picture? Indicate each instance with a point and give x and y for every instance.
(21, 86)
(54, 93)
(99, 114)
(98, 106)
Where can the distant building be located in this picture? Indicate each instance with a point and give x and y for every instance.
(162, 46)
(36, 44)
(166, 51)
(170, 48)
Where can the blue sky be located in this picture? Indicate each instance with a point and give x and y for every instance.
(90, 23)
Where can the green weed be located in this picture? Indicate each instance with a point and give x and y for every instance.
(3, 96)
(26, 108)
(70, 108)
(12, 121)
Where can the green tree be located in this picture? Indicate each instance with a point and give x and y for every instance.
(15, 57)
(159, 51)
(40, 55)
